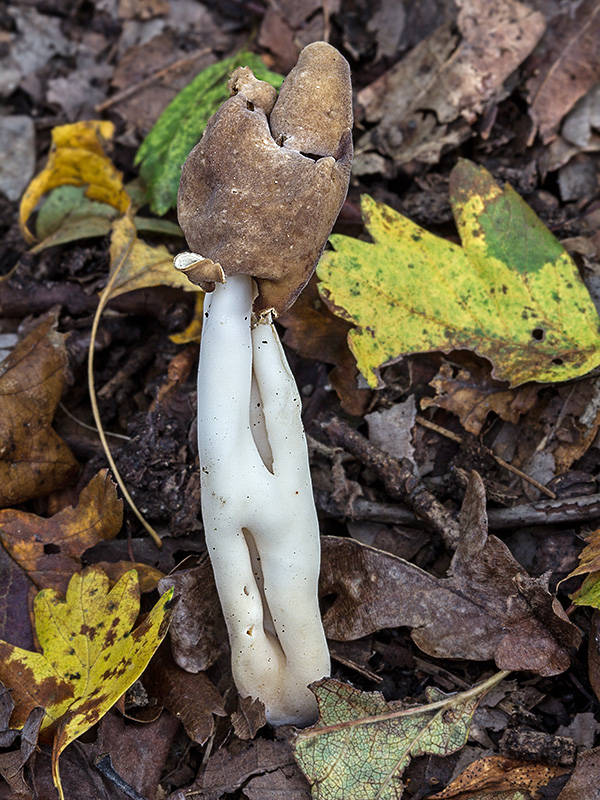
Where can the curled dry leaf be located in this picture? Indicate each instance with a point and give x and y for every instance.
(512, 617)
(50, 549)
(77, 158)
(497, 774)
(33, 459)
(90, 654)
(261, 191)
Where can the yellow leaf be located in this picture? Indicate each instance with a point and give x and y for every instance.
(77, 158)
(90, 656)
(141, 265)
(193, 331)
(511, 293)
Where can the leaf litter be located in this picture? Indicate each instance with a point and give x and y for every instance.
(428, 78)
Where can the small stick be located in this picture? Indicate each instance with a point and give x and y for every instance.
(160, 73)
(515, 470)
(398, 477)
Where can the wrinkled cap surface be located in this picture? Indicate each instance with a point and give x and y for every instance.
(260, 192)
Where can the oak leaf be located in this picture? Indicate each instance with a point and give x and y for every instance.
(33, 459)
(77, 158)
(511, 293)
(90, 655)
(361, 745)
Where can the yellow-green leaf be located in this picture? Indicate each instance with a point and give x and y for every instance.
(77, 158)
(360, 746)
(141, 265)
(511, 293)
(90, 656)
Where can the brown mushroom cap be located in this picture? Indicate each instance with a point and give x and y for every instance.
(262, 189)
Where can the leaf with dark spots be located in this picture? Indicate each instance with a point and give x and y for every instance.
(89, 656)
(50, 549)
(33, 459)
(512, 617)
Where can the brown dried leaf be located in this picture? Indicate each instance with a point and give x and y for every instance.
(50, 549)
(191, 698)
(314, 332)
(564, 67)
(33, 459)
(249, 718)
(441, 80)
(198, 634)
(471, 394)
(512, 617)
(261, 191)
(15, 624)
(585, 778)
(498, 773)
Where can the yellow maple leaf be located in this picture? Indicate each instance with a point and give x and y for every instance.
(511, 293)
(90, 655)
(77, 158)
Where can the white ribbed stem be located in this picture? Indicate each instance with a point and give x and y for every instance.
(259, 516)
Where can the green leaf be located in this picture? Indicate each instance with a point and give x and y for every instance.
(511, 293)
(360, 746)
(182, 123)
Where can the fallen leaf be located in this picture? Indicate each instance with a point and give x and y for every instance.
(249, 718)
(471, 394)
(512, 617)
(588, 593)
(360, 745)
(50, 549)
(198, 635)
(192, 698)
(182, 124)
(67, 216)
(148, 575)
(314, 332)
(15, 625)
(141, 265)
(585, 777)
(33, 459)
(564, 67)
(594, 653)
(13, 762)
(227, 771)
(444, 79)
(90, 655)
(511, 294)
(391, 429)
(77, 158)
(497, 774)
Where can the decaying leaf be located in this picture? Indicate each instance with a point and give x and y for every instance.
(421, 103)
(584, 777)
(262, 189)
(361, 745)
(499, 774)
(140, 265)
(67, 215)
(511, 293)
(182, 123)
(49, 549)
(77, 158)
(471, 394)
(564, 67)
(588, 593)
(33, 459)
(90, 654)
(512, 617)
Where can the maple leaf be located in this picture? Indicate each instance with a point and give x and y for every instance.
(90, 654)
(361, 745)
(33, 459)
(77, 158)
(511, 293)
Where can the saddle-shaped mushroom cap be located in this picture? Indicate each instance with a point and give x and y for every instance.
(261, 191)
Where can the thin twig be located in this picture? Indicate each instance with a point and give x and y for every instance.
(398, 477)
(104, 298)
(83, 424)
(515, 470)
(160, 73)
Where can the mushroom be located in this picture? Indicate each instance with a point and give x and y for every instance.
(258, 197)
